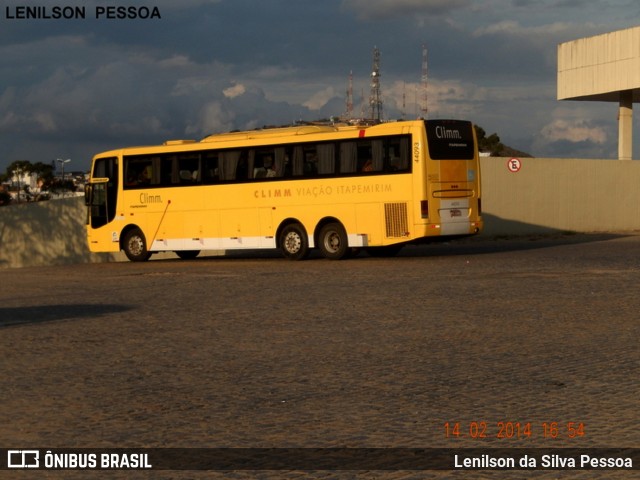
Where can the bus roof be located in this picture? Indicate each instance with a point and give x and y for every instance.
(269, 133)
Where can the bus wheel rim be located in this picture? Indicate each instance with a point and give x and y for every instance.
(292, 242)
(136, 246)
(332, 242)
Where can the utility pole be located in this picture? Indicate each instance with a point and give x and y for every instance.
(62, 162)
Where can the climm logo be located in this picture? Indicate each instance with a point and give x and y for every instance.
(275, 193)
(146, 198)
(449, 133)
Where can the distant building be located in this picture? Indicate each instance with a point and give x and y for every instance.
(604, 68)
(25, 179)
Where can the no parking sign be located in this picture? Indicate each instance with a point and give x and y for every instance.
(514, 165)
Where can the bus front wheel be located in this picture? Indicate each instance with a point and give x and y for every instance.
(293, 242)
(333, 241)
(135, 246)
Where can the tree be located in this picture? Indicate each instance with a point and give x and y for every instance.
(494, 146)
(489, 144)
(17, 169)
(44, 176)
(44, 171)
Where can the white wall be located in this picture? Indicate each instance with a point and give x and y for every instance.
(555, 194)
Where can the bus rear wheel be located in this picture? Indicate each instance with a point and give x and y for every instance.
(293, 242)
(135, 246)
(333, 241)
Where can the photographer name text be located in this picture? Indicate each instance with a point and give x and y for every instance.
(99, 12)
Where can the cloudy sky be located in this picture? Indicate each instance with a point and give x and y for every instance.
(70, 88)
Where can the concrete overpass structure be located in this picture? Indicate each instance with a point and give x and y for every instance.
(604, 68)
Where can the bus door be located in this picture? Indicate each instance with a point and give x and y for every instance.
(452, 150)
(102, 192)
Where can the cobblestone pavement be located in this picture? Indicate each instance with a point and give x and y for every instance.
(257, 351)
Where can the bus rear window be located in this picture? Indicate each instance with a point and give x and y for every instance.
(450, 139)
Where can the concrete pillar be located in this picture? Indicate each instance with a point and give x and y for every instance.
(625, 123)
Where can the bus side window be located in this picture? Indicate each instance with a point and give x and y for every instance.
(326, 163)
(269, 163)
(365, 156)
(279, 163)
(287, 163)
(169, 174)
(310, 162)
(210, 168)
(188, 169)
(297, 164)
(139, 172)
(402, 162)
(228, 165)
(348, 157)
(242, 170)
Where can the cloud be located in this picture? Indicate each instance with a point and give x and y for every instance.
(182, 4)
(514, 28)
(45, 121)
(175, 61)
(74, 88)
(573, 131)
(235, 91)
(385, 9)
(320, 99)
(213, 117)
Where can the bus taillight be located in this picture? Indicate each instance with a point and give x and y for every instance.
(424, 208)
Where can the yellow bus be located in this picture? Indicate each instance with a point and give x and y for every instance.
(334, 188)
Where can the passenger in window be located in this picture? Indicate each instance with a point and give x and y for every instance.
(368, 166)
(270, 168)
(241, 170)
(145, 176)
(185, 176)
(132, 179)
(311, 164)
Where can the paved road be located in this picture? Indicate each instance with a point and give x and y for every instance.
(257, 351)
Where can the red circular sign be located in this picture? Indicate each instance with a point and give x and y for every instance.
(514, 165)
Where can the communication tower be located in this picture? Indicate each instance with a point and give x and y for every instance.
(375, 99)
(423, 83)
(349, 102)
(404, 100)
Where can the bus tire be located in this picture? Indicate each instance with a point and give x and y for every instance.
(135, 246)
(333, 241)
(294, 242)
(187, 254)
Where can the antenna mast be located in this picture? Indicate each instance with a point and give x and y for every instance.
(375, 99)
(423, 83)
(349, 102)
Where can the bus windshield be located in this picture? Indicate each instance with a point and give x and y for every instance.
(450, 139)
